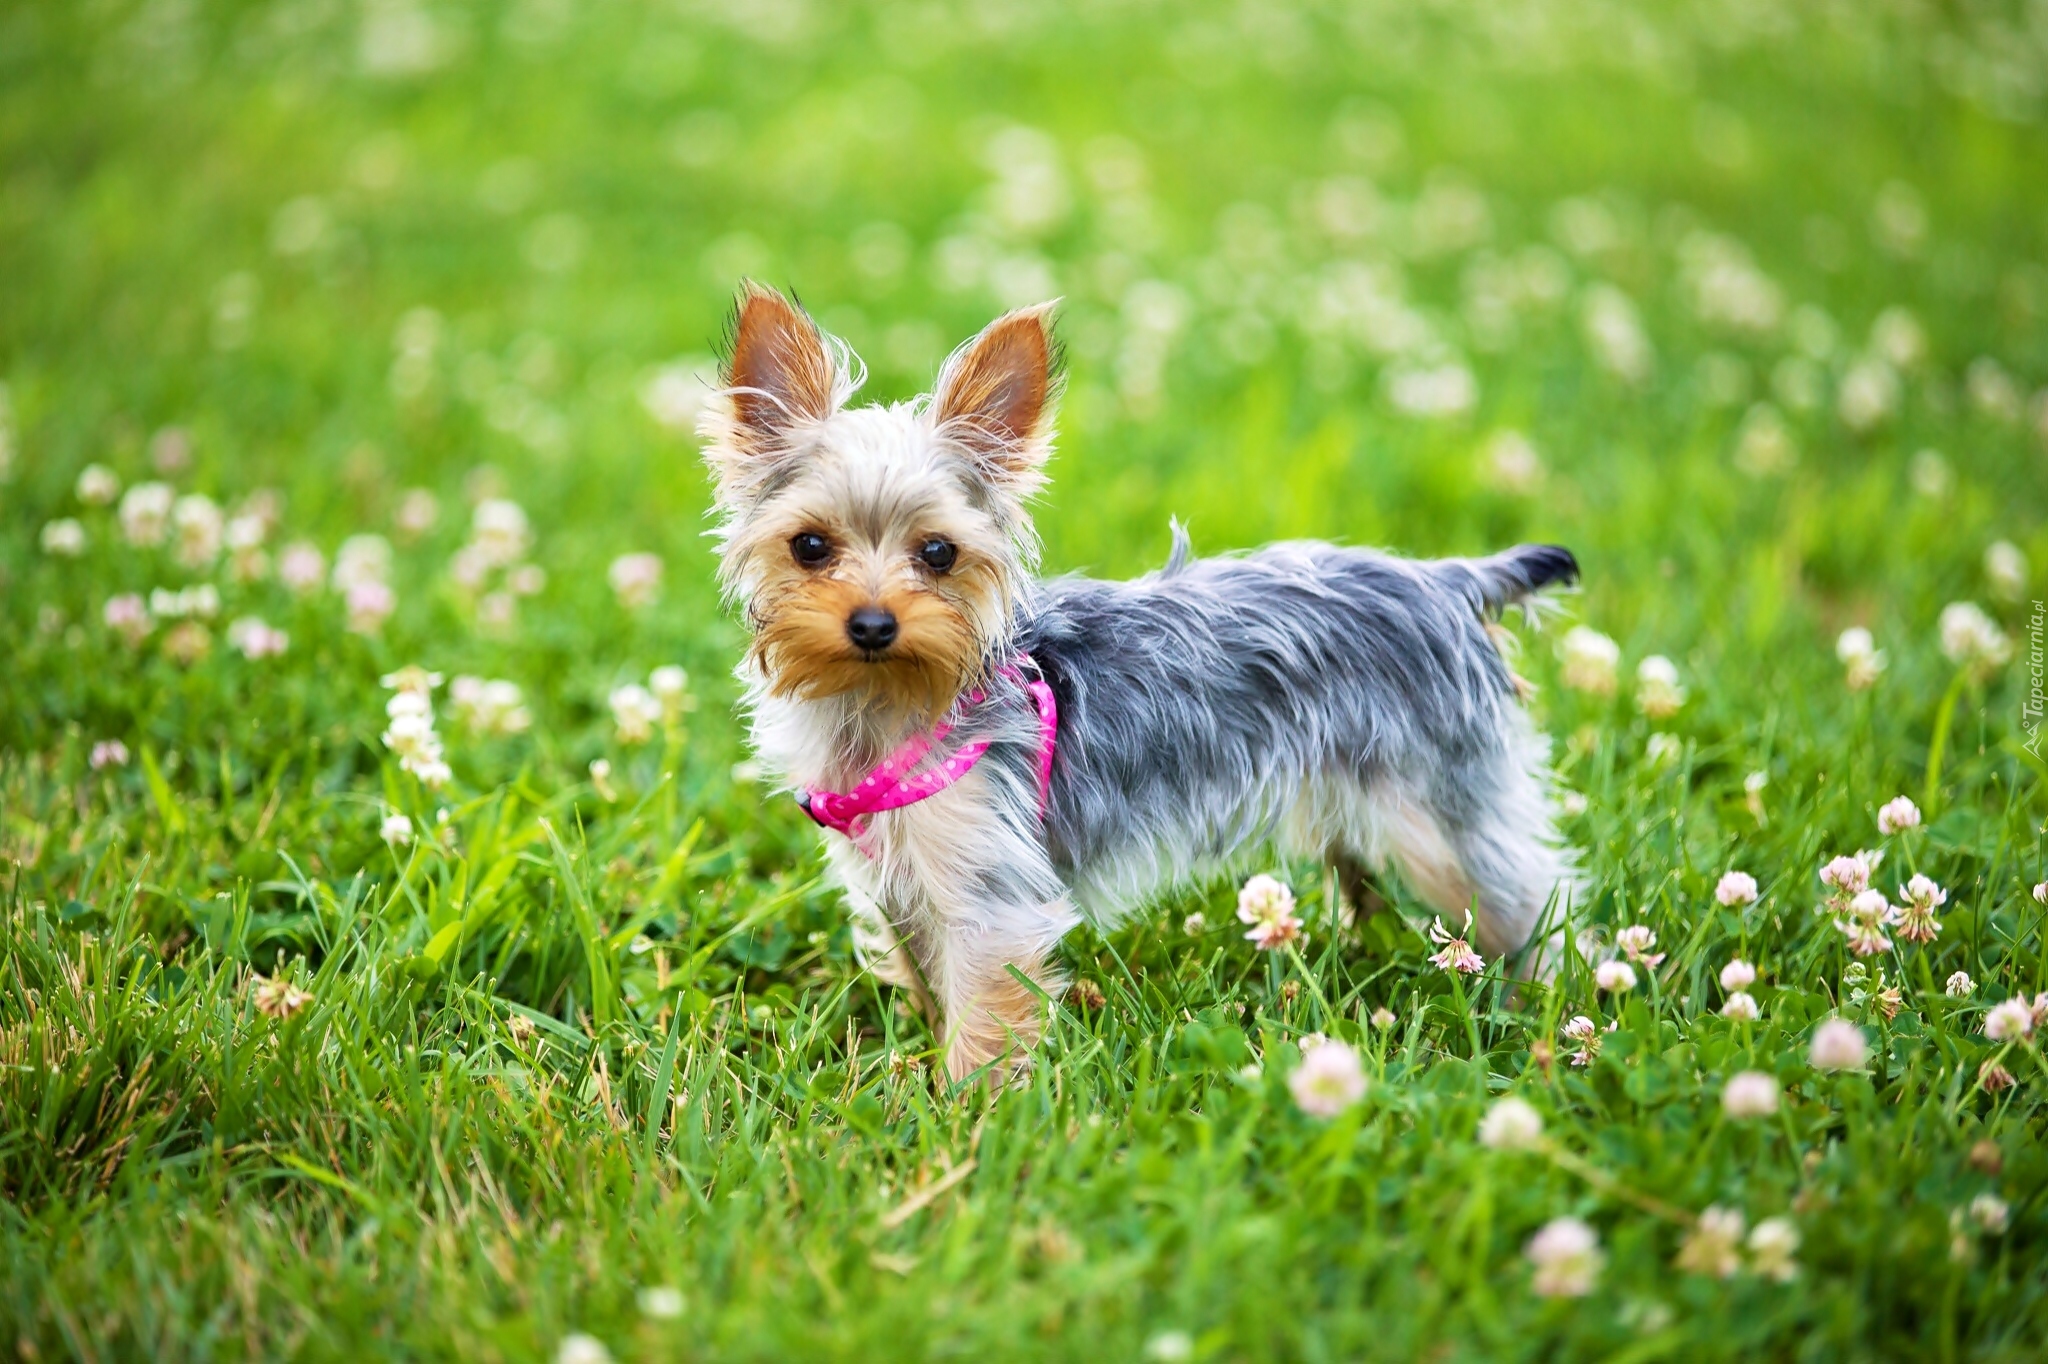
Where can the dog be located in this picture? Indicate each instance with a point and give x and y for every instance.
(995, 757)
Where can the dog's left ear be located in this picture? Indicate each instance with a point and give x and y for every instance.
(996, 395)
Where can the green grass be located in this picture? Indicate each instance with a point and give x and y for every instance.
(592, 1038)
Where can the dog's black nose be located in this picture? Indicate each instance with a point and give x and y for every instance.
(871, 628)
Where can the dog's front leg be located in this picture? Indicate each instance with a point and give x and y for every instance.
(989, 1013)
(882, 942)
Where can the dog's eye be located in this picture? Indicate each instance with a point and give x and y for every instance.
(938, 555)
(810, 549)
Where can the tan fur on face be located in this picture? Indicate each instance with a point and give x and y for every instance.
(799, 614)
(802, 646)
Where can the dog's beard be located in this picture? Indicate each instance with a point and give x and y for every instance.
(802, 650)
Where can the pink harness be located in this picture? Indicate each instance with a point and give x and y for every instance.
(891, 787)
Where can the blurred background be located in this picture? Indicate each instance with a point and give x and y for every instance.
(1744, 301)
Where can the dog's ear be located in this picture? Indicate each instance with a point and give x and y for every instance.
(780, 373)
(996, 395)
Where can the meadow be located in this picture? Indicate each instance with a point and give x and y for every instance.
(351, 351)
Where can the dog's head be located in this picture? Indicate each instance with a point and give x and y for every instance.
(877, 549)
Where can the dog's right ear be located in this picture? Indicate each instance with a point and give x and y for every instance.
(780, 375)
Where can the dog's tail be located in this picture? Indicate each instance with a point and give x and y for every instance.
(1510, 578)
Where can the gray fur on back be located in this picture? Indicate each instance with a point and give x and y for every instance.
(1197, 703)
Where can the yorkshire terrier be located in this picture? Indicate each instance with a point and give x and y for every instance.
(996, 756)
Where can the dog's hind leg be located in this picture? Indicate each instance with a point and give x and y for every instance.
(1358, 891)
(1502, 832)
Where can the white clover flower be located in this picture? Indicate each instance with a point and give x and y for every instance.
(1566, 1254)
(245, 531)
(1195, 924)
(1863, 924)
(1838, 1045)
(369, 605)
(1861, 659)
(278, 998)
(201, 600)
(1615, 977)
(671, 686)
(1741, 1006)
(1455, 951)
(1267, 904)
(1992, 390)
(1328, 1080)
(196, 530)
(470, 567)
(1431, 390)
(1750, 1094)
(1583, 1032)
(1959, 986)
(1513, 462)
(1658, 693)
(64, 538)
(659, 1302)
(1170, 1347)
(1590, 660)
(1898, 337)
(497, 610)
(418, 510)
(1737, 975)
(2005, 568)
(1714, 1246)
(1614, 332)
(1849, 876)
(499, 532)
(1635, 941)
(1921, 896)
(1511, 1124)
(301, 568)
(396, 830)
(1383, 1018)
(1772, 1245)
(636, 580)
(362, 559)
(577, 1348)
(97, 485)
(1972, 639)
(256, 638)
(1735, 888)
(1898, 815)
(1663, 749)
(127, 615)
(1763, 443)
(109, 753)
(2041, 893)
(1991, 1213)
(1868, 395)
(410, 733)
(2009, 1021)
(411, 680)
(1930, 474)
(635, 713)
(145, 513)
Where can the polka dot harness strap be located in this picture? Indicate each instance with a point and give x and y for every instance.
(890, 786)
